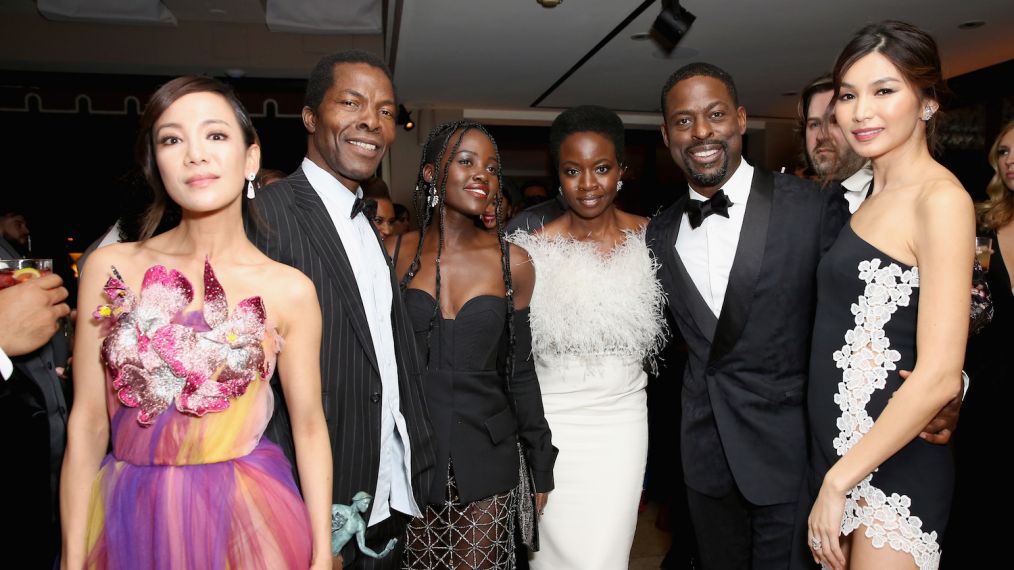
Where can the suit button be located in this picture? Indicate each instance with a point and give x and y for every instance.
(711, 371)
(375, 397)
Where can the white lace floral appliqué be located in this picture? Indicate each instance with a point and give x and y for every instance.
(865, 359)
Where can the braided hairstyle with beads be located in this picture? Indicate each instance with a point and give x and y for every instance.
(437, 143)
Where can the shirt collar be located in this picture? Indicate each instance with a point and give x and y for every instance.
(857, 182)
(327, 185)
(737, 187)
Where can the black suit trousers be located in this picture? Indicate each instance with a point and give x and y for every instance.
(735, 534)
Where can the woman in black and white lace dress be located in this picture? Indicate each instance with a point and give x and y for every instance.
(895, 284)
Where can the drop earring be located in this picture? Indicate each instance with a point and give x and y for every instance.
(433, 199)
(619, 185)
(250, 192)
(928, 113)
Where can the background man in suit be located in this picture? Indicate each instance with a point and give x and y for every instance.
(741, 290)
(14, 231)
(312, 220)
(33, 415)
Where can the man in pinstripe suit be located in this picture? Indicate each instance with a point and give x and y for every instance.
(312, 220)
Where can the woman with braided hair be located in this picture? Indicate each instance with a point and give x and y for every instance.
(467, 293)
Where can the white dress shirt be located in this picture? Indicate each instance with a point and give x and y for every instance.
(6, 366)
(708, 251)
(373, 277)
(857, 185)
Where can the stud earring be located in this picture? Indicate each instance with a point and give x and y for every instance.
(250, 193)
(619, 185)
(928, 113)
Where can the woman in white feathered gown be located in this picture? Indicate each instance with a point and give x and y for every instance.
(597, 320)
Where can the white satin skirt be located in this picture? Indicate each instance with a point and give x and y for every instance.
(597, 410)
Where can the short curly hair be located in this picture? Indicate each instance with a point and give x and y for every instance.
(699, 69)
(586, 119)
(322, 76)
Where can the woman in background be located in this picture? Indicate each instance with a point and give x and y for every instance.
(990, 366)
(380, 212)
(493, 217)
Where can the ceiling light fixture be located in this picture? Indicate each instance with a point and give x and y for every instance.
(640, 36)
(405, 118)
(971, 25)
(549, 3)
(671, 24)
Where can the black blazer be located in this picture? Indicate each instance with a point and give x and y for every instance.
(295, 229)
(33, 424)
(479, 421)
(744, 423)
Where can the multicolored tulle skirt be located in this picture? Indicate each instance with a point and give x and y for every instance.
(243, 513)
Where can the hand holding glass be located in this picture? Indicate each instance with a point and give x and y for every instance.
(983, 251)
(14, 271)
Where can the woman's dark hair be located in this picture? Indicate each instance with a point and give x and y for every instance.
(438, 145)
(586, 119)
(400, 211)
(911, 50)
(162, 205)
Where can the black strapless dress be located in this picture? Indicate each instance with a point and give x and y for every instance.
(864, 333)
(470, 517)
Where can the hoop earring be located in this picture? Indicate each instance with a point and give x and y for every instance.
(250, 192)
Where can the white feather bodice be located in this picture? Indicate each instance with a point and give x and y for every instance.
(587, 303)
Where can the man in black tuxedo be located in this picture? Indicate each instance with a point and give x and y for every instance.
(741, 290)
(312, 220)
(33, 416)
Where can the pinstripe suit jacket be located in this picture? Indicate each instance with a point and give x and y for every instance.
(296, 230)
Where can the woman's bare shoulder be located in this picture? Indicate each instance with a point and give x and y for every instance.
(631, 222)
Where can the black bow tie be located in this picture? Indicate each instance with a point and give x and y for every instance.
(358, 206)
(698, 210)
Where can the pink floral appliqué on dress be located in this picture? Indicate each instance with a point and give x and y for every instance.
(158, 355)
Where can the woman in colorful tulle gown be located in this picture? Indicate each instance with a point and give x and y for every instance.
(172, 369)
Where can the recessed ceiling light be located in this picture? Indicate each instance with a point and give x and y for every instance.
(790, 93)
(640, 36)
(971, 25)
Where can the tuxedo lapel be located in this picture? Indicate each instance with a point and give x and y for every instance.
(324, 238)
(691, 300)
(746, 265)
(695, 304)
